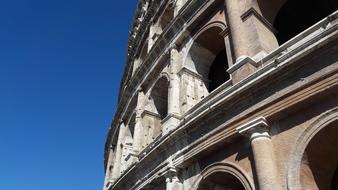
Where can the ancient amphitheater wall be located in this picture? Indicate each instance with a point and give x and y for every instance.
(213, 93)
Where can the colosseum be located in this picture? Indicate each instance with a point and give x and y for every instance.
(228, 95)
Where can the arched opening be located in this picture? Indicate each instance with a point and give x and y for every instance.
(159, 95)
(127, 145)
(131, 125)
(156, 109)
(334, 184)
(207, 57)
(218, 74)
(162, 20)
(297, 15)
(221, 181)
(320, 160)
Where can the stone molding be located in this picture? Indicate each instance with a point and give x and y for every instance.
(171, 115)
(242, 61)
(146, 112)
(185, 70)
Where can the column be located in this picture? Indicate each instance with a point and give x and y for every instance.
(173, 118)
(174, 86)
(263, 153)
(117, 162)
(252, 36)
(138, 143)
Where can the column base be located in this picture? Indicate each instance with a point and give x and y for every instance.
(243, 67)
(170, 123)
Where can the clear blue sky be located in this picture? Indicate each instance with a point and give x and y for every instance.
(61, 63)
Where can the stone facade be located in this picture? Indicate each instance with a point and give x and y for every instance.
(228, 94)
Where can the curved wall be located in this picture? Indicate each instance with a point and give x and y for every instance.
(206, 84)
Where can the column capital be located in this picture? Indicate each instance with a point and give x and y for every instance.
(256, 128)
(170, 172)
(171, 175)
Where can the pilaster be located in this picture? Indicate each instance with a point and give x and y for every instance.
(139, 130)
(173, 117)
(263, 153)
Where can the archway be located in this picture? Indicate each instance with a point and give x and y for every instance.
(207, 57)
(320, 160)
(334, 184)
(221, 181)
(159, 95)
(156, 109)
(297, 15)
(223, 176)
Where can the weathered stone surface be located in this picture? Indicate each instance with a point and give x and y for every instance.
(210, 101)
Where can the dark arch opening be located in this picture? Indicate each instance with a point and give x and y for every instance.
(218, 71)
(159, 95)
(208, 58)
(297, 15)
(335, 180)
(320, 160)
(221, 180)
(131, 125)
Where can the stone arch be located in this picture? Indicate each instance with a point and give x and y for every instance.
(287, 19)
(127, 143)
(156, 108)
(159, 95)
(334, 184)
(162, 20)
(131, 124)
(207, 57)
(299, 155)
(230, 173)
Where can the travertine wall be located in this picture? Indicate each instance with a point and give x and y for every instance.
(257, 130)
